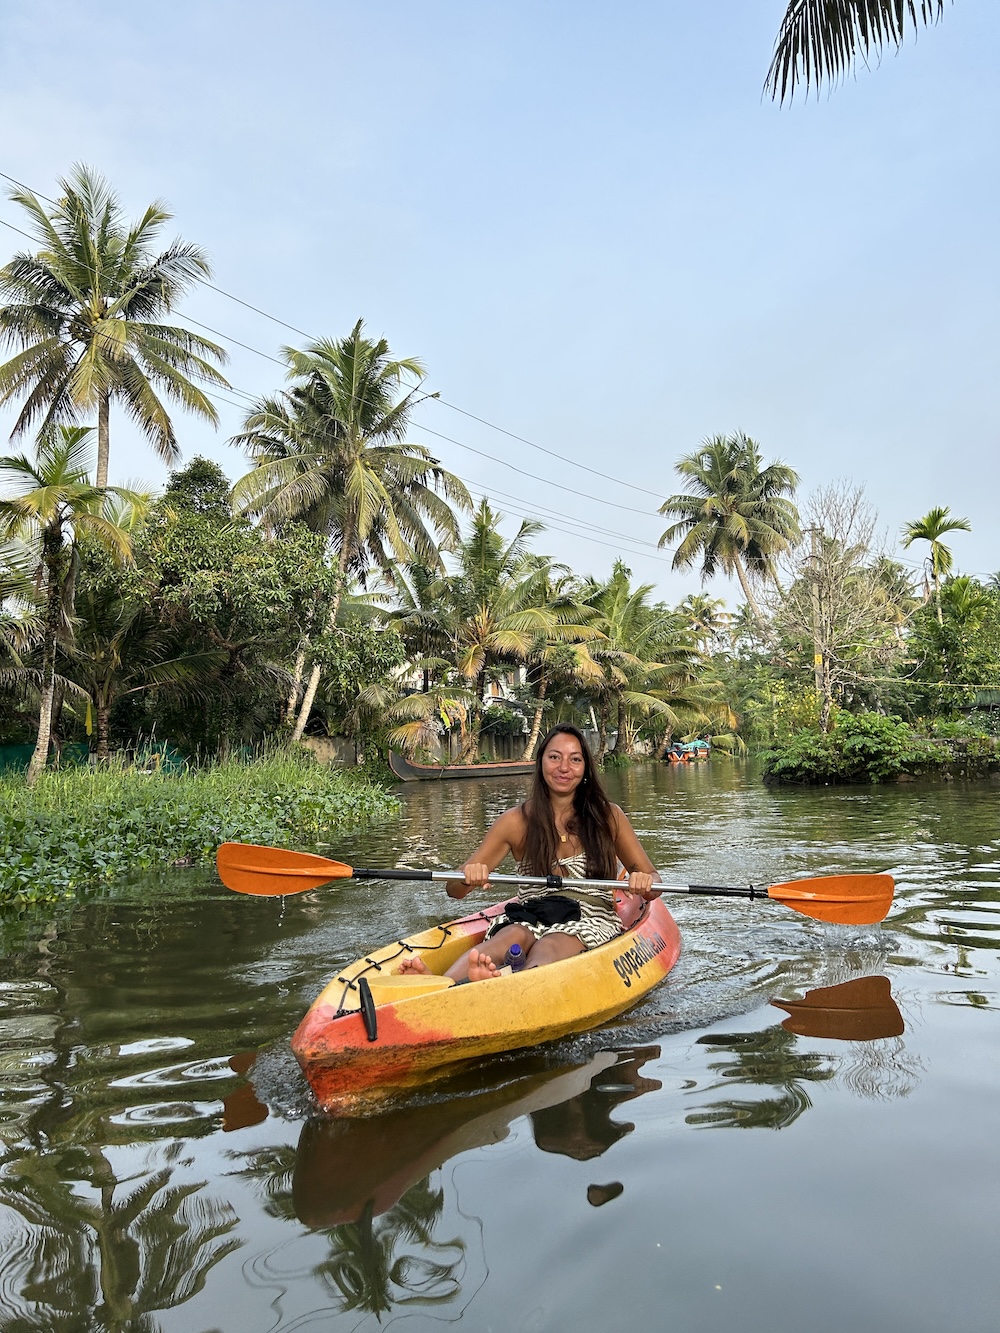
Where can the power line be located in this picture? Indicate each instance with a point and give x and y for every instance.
(534, 477)
(522, 439)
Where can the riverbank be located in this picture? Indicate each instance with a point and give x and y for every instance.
(81, 828)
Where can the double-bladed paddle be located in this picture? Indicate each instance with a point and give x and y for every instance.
(851, 900)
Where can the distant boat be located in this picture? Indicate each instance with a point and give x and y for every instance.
(407, 771)
(683, 753)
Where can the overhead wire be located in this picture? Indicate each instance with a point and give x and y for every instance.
(436, 397)
(522, 439)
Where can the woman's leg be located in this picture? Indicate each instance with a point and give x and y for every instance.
(553, 946)
(488, 956)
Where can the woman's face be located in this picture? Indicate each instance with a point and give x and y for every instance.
(562, 764)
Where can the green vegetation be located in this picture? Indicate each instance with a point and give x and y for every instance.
(870, 747)
(79, 828)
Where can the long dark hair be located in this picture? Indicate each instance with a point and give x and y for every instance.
(593, 820)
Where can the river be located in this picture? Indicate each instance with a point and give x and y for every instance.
(711, 1160)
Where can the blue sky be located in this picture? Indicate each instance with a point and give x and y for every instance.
(586, 222)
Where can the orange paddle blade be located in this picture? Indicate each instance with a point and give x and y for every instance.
(271, 871)
(850, 900)
(858, 1010)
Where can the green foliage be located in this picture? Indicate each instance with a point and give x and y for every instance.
(498, 720)
(863, 747)
(76, 830)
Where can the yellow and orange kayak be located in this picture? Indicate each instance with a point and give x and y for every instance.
(372, 1034)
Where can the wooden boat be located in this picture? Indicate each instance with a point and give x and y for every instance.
(408, 771)
(372, 1034)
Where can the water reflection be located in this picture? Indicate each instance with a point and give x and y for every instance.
(98, 1251)
(368, 1184)
(858, 1010)
(345, 1166)
(767, 1059)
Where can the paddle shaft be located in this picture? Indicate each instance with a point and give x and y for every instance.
(560, 882)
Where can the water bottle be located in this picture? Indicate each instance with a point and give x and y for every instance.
(515, 958)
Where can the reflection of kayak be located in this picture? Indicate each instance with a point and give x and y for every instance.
(409, 771)
(344, 1165)
(372, 1033)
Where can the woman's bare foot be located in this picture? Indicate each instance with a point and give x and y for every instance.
(413, 967)
(481, 966)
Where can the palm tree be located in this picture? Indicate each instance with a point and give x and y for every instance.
(931, 528)
(494, 609)
(330, 452)
(735, 515)
(706, 617)
(83, 310)
(819, 39)
(562, 658)
(631, 672)
(56, 504)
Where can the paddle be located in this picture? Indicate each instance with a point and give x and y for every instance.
(855, 900)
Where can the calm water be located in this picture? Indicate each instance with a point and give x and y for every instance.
(708, 1162)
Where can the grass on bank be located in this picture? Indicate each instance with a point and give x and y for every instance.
(80, 828)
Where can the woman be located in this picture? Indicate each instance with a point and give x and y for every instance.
(567, 827)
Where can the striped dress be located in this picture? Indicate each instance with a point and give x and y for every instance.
(599, 922)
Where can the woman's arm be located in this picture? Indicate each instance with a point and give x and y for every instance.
(501, 837)
(642, 875)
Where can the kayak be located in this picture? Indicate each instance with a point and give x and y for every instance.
(372, 1034)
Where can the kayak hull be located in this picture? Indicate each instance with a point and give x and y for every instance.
(420, 1030)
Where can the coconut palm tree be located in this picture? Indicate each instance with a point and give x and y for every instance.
(494, 609)
(931, 528)
(562, 658)
(736, 514)
(633, 630)
(820, 39)
(55, 502)
(706, 617)
(330, 452)
(84, 312)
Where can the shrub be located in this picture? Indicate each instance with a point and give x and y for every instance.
(78, 829)
(860, 747)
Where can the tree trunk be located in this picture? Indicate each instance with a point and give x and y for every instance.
(295, 693)
(102, 721)
(664, 744)
(602, 732)
(51, 552)
(621, 739)
(103, 437)
(470, 741)
(536, 721)
(314, 675)
(741, 574)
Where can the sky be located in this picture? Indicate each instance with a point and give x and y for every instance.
(586, 221)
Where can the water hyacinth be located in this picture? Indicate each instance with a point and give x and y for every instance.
(80, 828)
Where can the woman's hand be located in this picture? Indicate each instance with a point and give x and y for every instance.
(644, 884)
(477, 876)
